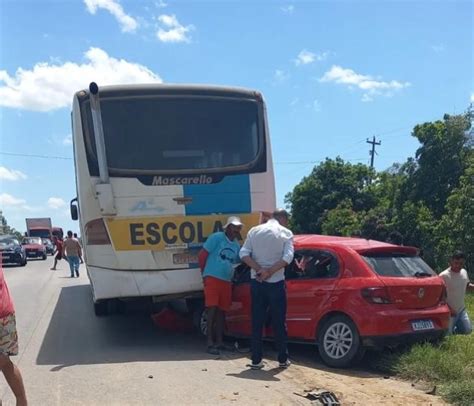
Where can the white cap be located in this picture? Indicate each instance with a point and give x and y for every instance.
(234, 221)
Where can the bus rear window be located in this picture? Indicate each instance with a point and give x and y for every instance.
(178, 134)
(399, 265)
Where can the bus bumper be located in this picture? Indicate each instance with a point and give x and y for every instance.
(114, 283)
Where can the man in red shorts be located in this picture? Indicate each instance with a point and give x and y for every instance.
(216, 260)
(9, 343)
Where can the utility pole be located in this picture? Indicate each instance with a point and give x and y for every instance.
(372, 151)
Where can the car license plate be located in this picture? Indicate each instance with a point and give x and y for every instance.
(420, 325)
(185, 258)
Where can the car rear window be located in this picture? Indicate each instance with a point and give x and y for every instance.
(398, 265)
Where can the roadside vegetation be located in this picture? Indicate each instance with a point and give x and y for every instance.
(449, 365)
(428, 198)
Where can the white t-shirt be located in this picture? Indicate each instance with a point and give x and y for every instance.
(456, 283)
(267, 244)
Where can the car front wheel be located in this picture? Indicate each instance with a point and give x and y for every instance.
(339, 342)
(200, 320)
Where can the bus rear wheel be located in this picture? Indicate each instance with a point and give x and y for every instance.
(101, 308)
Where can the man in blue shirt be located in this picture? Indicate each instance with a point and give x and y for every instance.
(216, 260)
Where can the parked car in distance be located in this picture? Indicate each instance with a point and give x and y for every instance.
(48, 245)
(12, 251)
(34, 247)
(347, 294)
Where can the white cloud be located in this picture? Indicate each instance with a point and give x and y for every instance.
(288, 9)
(438, 48)
(161, 4)
(15, 203)
(10, 201)
(306, 57)
(280, 76)
(67, 140)
(127, 23)
(472, 97)
(56, 203)
(372, 87)
(316, 106)
(48, 87)
(11, 174)
(172, 31)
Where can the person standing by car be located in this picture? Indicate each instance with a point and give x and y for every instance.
(9, 343)
(216, 260)
(267, 250)
(59, 251)
(457, 282)
(72, 251)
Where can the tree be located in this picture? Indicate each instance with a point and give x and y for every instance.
(330, 183)
(455, 231)
(5, 229)
(441, 160)
(342, 221)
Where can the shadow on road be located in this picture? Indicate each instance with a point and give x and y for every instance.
(262, 375)
(75, 336)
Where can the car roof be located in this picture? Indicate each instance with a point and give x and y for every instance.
(360, 245)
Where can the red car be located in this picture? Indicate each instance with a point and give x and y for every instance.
(346, 294)
(34, 247)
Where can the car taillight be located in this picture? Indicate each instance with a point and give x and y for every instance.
(96, 233)
(444, 296)
(376, 295)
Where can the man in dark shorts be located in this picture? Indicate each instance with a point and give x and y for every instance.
(59, 251)
(9, 343)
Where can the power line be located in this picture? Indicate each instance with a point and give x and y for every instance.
(34, 156)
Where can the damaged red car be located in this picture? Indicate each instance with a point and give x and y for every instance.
(348, 294)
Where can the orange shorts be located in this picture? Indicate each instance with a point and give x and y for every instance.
(217, 293)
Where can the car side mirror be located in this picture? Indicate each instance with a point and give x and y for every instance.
(74, 210)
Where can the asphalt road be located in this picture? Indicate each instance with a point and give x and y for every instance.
(68, 356)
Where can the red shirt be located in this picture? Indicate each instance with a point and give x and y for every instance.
(6, 302)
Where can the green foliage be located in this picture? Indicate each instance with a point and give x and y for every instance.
(429, 199)
(342, 220)
(5, 229)
(329, 184)
(450, 365)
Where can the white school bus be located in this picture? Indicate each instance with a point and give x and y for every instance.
(159, 168)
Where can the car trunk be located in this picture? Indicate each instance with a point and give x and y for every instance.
(410, 282)
(414, 293)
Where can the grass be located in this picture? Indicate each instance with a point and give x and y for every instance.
(449, 365)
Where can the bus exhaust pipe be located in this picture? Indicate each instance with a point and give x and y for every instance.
(104, 191)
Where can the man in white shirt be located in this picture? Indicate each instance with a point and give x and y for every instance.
(457, 282)
(267, 250)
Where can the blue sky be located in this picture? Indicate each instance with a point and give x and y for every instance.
(333, 74)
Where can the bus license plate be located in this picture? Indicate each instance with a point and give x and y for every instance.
(420, 325)
(185, 258)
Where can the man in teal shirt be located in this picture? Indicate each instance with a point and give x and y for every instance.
(216, 260)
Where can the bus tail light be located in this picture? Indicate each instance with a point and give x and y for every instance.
(96, 233)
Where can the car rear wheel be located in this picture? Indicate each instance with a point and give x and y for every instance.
(339, 342)
(23, 262)
(44, 257)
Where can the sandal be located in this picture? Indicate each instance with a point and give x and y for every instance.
(213, 350)
(224, 347)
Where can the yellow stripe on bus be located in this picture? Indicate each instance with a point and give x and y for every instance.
(158, 233)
